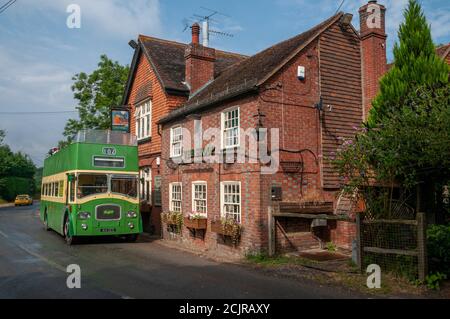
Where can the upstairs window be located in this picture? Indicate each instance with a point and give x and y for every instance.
(230, 128)
(176, 140)
(143, 116)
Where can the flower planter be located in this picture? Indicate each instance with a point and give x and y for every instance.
(227, 230)
(199, 223)
(217, 227)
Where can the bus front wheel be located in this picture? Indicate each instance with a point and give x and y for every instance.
(131, 238)
(46, 226)
(70, 240)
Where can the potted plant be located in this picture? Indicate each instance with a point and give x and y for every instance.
(174, 219)
(196, 221)
(227, 227)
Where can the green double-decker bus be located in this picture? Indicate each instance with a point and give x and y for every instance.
(90, 187)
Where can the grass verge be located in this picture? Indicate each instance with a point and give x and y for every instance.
(344, 275)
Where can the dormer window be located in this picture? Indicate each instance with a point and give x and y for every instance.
(143, 116)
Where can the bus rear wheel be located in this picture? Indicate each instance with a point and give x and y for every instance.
(70, 240)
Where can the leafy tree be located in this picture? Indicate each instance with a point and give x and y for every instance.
(16, 172)
(96, 93)
(416, 64)
(407, 140)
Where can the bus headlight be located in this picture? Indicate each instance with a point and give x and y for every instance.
(131, 215)
(131, 225)
(84, 226)
(84, 215)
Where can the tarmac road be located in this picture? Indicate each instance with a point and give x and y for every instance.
(33, 265)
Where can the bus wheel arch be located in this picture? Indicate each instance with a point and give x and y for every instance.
(46, 225)
(69, 238)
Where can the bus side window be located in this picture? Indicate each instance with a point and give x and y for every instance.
(61, 189)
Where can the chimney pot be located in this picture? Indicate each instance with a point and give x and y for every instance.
(195, 33)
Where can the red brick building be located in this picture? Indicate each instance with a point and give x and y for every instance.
(314, 88)
(155, 87)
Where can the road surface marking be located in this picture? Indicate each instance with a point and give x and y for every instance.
(3, 234)
(46, 260)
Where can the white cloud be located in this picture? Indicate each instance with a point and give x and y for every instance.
(27, 86)
(113, 17)
(439, 21)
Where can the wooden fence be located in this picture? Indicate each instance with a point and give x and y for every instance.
(395, 245)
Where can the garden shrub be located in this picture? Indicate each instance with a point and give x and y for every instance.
(438, 245)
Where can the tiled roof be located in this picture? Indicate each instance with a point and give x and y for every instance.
(443, 51)
(143, 92)
(167, 58)
(250, 73)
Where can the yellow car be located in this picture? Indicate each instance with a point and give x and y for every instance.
(22, 200)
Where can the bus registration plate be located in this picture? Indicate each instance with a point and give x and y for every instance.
(107, 230)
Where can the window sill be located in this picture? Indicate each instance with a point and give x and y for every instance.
(144, 140)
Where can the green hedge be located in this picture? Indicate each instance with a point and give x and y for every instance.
(438, 244)
(10, 187)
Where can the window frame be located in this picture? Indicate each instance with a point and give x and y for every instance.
(145, 193)
(61, 189)
(143, 120)
(172, 142)
(223, 146)
(222, 199)
(199, 183)
(171, 196)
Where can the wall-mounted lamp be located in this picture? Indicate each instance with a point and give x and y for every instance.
(158, 161)
(346, 19)
(133, 44)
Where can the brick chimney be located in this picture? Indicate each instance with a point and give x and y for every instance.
(373, 50)
(199, 62)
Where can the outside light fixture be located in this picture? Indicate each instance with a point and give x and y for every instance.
(158, 161)
(133, 44)
(346, 19)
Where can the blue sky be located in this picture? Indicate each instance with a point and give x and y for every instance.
(39, 54)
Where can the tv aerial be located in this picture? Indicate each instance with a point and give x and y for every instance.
(205, 21)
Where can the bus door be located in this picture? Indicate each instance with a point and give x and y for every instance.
(70, 191)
